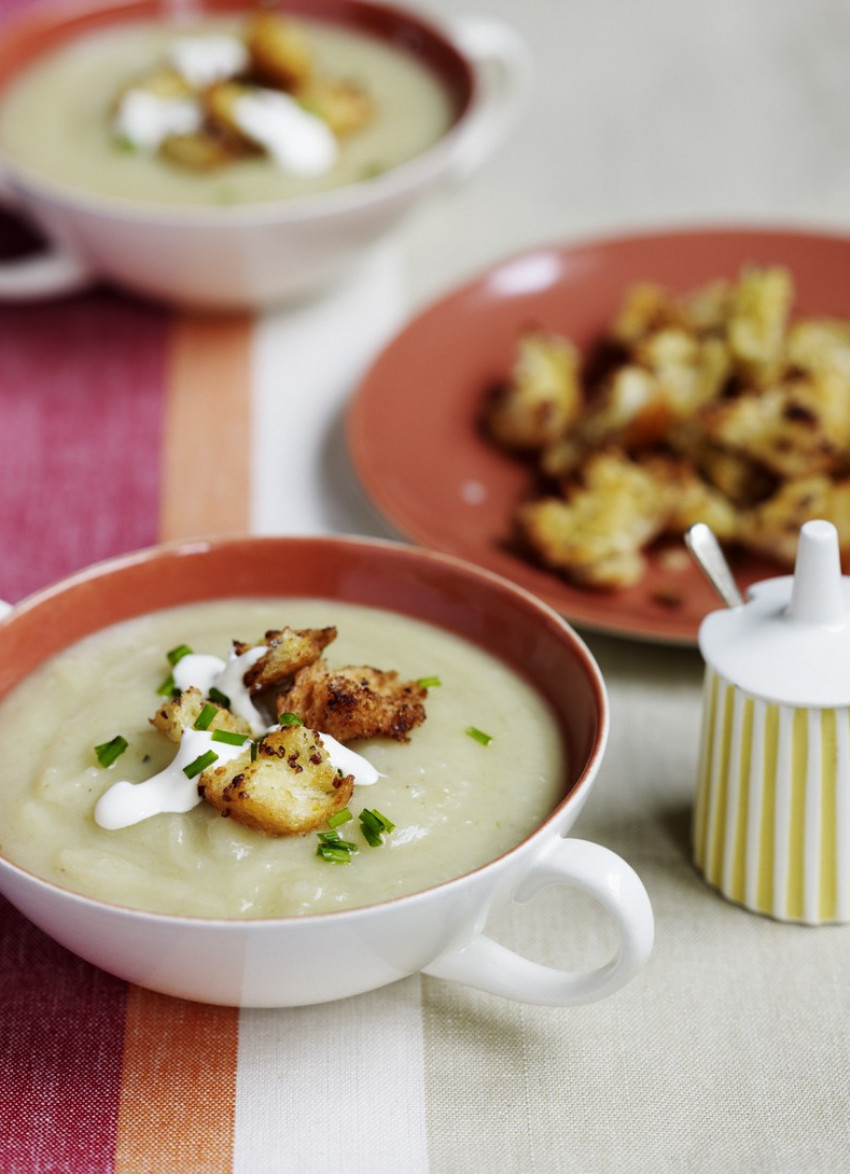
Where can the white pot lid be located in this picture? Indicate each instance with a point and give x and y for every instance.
(790, 641)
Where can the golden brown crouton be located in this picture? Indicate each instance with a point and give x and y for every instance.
(289, 649)
(280, 51)
(772, 528)
(690, 499)
(163, 82)
(756, 328)
(354, 702)
(289, 787)
(645, 307)
(597, 533)
(343, 105)
(202, 150)
(541, 399)
(219, 103)
(796, 428)
(181, 713)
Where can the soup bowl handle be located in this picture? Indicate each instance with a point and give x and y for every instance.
(484, 964)
(505, 70)
(47, 273)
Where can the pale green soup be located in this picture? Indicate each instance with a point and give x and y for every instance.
(456, 804)
(55, 118)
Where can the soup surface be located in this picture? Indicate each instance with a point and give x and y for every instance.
(56, 117)
(456, 803)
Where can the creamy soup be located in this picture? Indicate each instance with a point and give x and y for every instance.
(455, 802)
(56, 118)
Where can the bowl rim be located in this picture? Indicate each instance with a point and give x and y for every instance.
(547, 829)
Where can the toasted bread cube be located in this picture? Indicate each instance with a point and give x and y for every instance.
(757, 323)
(289, 649)
(797, 428)
(201, 151)
(542, 398)
(280, 51)
(181, 713)
(597, 534)
(355, 702)
(290, 787)
(343, 105)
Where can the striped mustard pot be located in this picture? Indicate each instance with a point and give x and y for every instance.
(771, 824)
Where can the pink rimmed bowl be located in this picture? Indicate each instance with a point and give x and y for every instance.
(293, 961)
(254, 254)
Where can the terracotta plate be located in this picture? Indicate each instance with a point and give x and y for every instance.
(412, 426)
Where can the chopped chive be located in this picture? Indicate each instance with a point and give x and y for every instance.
(339, 818)
(429, 682)
(177, 654)
(379, 821)
(204, 718)
(200, 764)
(167, 687)
(107, 752)
(479, 735)
(255, 748)
(217, 695)
(289, 719)
(229, 736)
(334, 853)
(373, 825)
(333, 838)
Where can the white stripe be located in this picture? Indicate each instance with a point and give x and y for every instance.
(842, 814)
(341, 1085)
(307, 361)
(812, 818)
(337, 1086)
(715, 784)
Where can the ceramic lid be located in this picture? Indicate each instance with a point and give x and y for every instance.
(790, 641)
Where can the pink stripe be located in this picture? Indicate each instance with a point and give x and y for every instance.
(82, 386)
(60, 1062)
(82, 399)
(9, 8)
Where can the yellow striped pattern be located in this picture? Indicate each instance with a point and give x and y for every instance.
(772, 814)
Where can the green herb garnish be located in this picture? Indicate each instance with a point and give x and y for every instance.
(332, 848)
(255, 749)
(229, 736)
(167, 687)
(205, 717)
(429, 682)
(289, 719)
(177, 654)
(200, 764)
(479, 735)
(107, 752)
(339, 818)
(217, 695)
(335, 853)
(374, 825)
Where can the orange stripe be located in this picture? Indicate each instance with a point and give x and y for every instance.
(178, 1082)
(207, 435)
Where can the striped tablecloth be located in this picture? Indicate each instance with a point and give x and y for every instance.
(123, 423)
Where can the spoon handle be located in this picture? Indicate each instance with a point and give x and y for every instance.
(702, 542)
